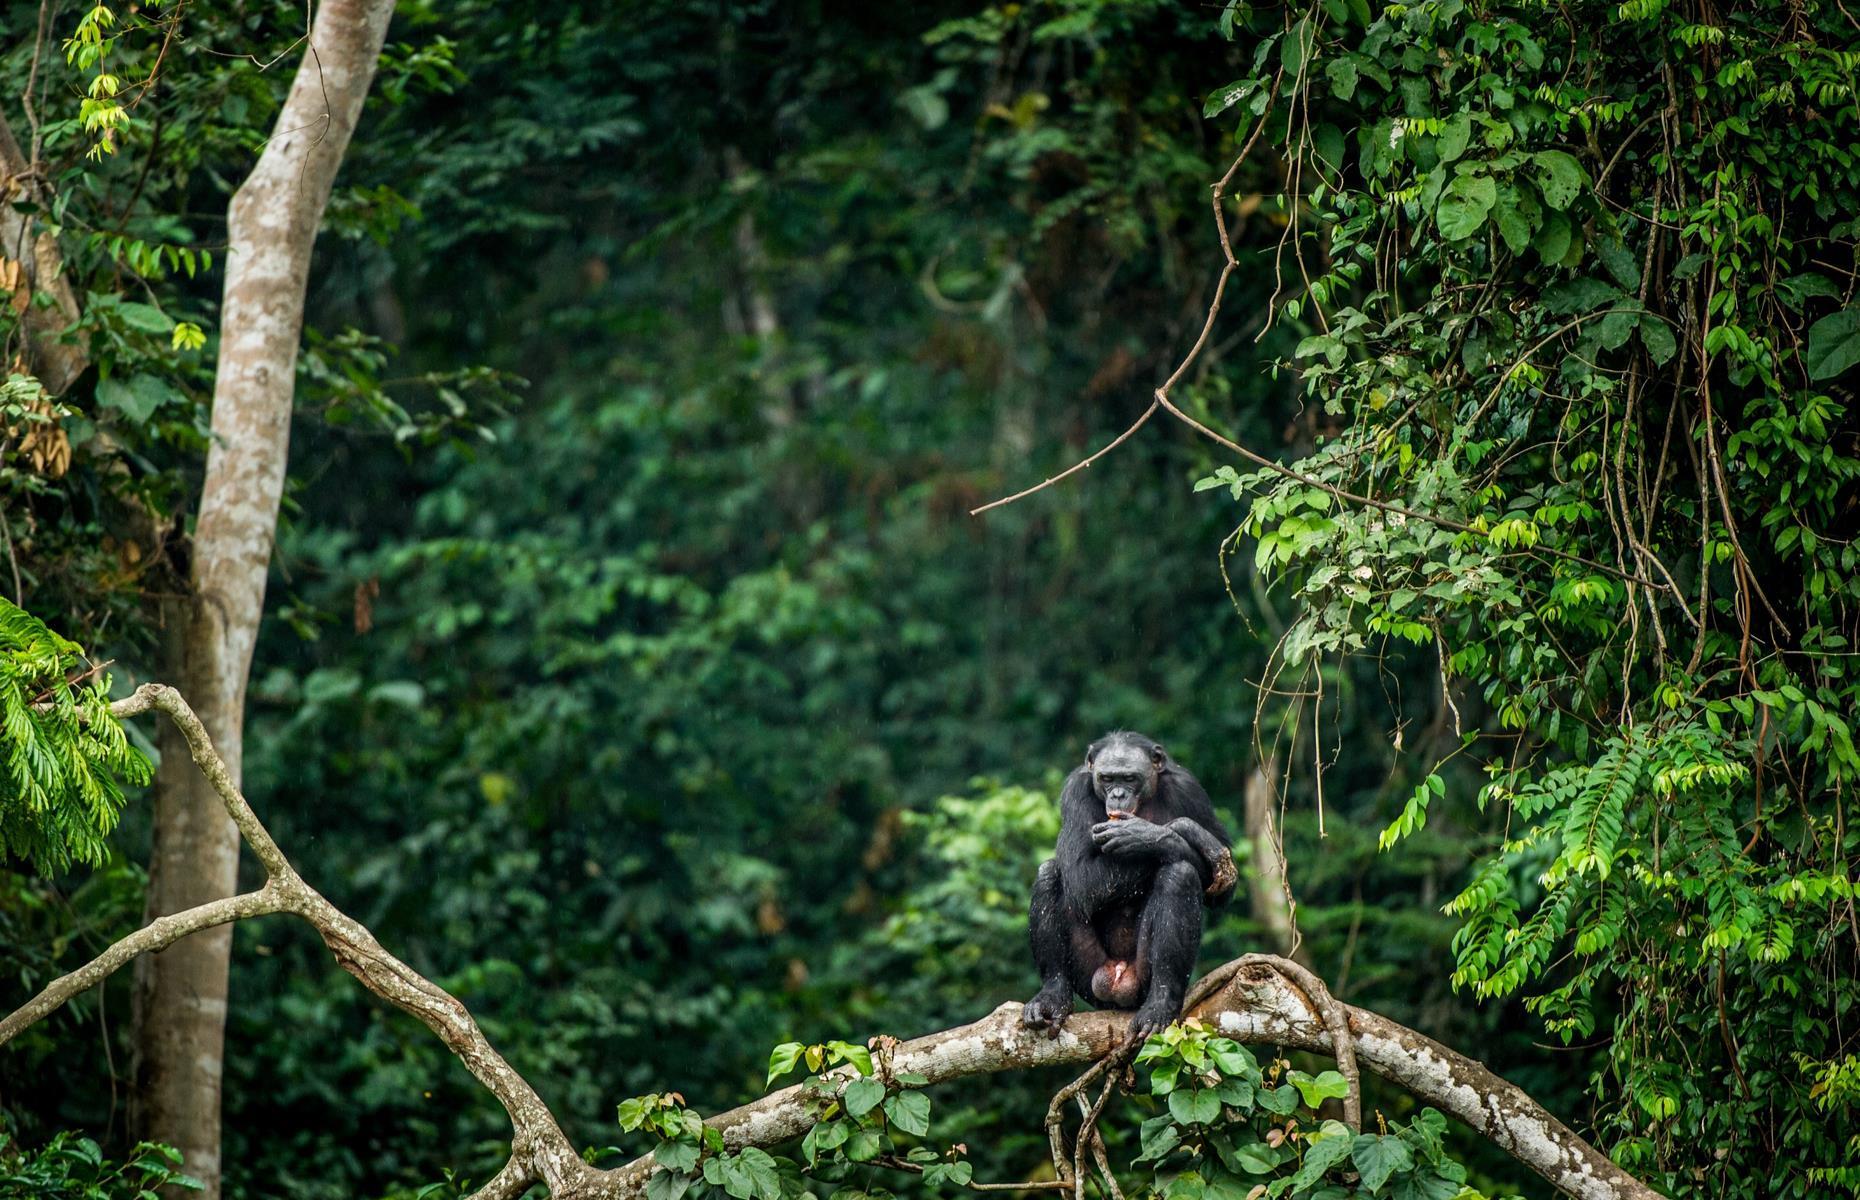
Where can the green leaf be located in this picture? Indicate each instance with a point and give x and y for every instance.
(1464, 206)
(1579, 295)
(760, 1173)
(862, 1096)
(1325, 1151)
(1613, 330)
(1798, 290)
(1295, 50)
(677, 1156)
(958, 1173)
(145, 318)
(1342, 74)
(137, 397)
(1235, 1059)
(1559, 177)
(865, 1143)
(667, 1185)
(1187, 1186)
(783, 1058)
(1516, 215)
(1552, 240)
(1657, 336)
(1282, 1101)
(1453, 138)
(1256, 1158)
(1426, 1185)
(1158, 1136)
(1620, 262)
(1833, 344)
(910, 1111)
(825, 1137)
(1222, 99)
(1314, 1090)
(1378, 1157)
(857, 1055)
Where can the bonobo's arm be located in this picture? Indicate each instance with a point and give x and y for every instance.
(1211, 855)
(1093, 878)
(1194, 836)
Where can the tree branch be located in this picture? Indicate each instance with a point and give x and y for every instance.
(156, 935)
(540, 1152)
(1250, 1001)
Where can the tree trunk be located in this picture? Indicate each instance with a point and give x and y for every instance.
(272, 224)
(40, 270)
(1270, 899)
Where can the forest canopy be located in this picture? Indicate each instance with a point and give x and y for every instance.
(559, 455)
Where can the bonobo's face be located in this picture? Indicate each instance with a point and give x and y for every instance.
(1124, 776)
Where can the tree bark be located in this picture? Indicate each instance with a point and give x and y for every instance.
(1266, 890)
(55, 360)
(272, 224)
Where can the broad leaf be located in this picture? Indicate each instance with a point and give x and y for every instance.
(1379, 1157)
(1833, 344)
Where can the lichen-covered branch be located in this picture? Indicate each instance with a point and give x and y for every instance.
(1251, 1000)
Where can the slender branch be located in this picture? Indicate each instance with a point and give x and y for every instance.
(156, 935)
(1219, 191)
(1050, 480)
(894, 1163)
(540, 1152)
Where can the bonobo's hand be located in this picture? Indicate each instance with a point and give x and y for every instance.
(1049, 1009)
(1130, 836)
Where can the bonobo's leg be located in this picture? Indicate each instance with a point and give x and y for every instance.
(1168, 938)
(1065, 951)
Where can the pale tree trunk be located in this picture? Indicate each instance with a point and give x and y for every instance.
(1266, 888)
(272, 224)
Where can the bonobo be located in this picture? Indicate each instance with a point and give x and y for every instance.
(1116, 912)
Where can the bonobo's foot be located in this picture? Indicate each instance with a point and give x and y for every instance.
(1156, 1015)
(1049, 1009)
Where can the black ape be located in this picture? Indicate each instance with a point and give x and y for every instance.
(1116, 913)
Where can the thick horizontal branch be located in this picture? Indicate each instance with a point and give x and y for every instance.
(1250, 1001)
(1256, 1004)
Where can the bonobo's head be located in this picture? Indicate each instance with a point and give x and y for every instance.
(1124, 770)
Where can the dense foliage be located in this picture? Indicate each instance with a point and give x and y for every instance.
(63, 760)
(1579, 292)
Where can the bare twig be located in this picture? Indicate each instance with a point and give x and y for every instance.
(1219, 192)
(1080, 465)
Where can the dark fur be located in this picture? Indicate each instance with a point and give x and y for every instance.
(1116, 912)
